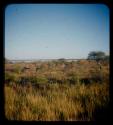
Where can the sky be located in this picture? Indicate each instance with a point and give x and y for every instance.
(53, 31)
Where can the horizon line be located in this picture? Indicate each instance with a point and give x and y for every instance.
(46, 59)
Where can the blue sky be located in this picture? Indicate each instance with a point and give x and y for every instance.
(50, 31)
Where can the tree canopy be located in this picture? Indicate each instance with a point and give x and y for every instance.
(97, 55)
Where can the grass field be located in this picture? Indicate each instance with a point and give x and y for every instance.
(56, 90)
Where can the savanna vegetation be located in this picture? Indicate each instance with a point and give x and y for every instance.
(57, 90)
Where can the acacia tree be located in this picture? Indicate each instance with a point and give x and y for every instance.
(96, 55)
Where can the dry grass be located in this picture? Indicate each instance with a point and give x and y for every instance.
(54, 104)
(69, 102)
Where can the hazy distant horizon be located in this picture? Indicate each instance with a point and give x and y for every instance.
(54, 31)
(47, 59)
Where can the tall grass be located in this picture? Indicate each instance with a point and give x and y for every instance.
(72, 92)
(72, 103)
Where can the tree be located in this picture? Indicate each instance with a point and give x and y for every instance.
(96, 55)
(61, 59)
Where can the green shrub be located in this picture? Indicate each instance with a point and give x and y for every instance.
(17, 69)
(11, 78)
(33, 80)
(41, 80)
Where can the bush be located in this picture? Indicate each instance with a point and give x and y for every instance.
(73, 78)
(33, 80)
(11, 78)
(85, 80)
(25, 80)
(41, 80)
(97, 76)
(17, 69)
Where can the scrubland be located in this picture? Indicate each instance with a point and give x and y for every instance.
(57, 90)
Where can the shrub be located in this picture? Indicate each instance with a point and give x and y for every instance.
(97, 76)
(41, 80)
(11, 78)
(30, 79)
(33, 80)
(73, 78)
(17, 69)
(85, 80)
